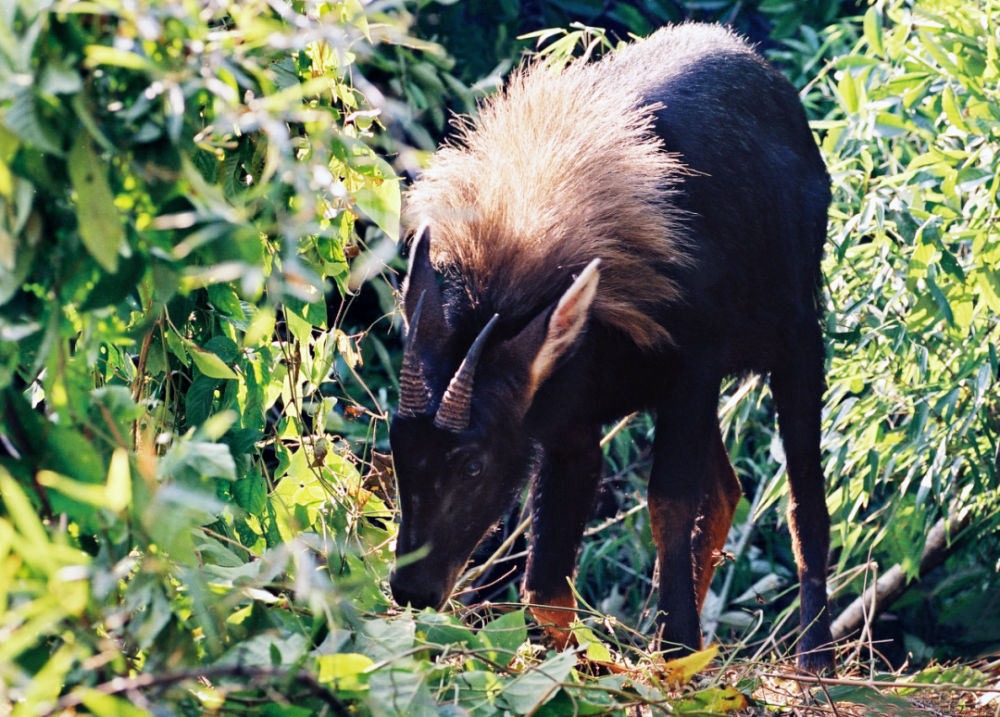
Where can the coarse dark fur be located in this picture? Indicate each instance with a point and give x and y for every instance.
(685, 164)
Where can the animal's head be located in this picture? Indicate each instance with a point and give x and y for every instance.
(460, 449)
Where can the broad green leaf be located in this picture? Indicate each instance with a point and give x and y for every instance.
(379, 199)
(20, 510)
(713, 701)
(195, 460)
(225, 299)
(873, 29)
(261, 327)
(537, 684)
(251, 492)
(119, 487)
(848, 92)
(594, 648)
(100, 223)
(445, 630)
(889, 125)
(88, 493)
(381, 639)
(989, 289)
(507, 632)
(400, 693)
(176, 345)
(209, 363)
(47, 683)
(345, 670)
(951, 109)
(875, 702)
(23, 118)
(104, 705)
(102, 55)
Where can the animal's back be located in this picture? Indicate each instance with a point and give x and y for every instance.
(683, 161)
(758, 194)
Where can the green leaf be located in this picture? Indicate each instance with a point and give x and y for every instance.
(875, 702)
(199, 399)
(225, 299)
(889, 125)
(537, 685)
(873, 29)
(507, 632)
(251, 492)
(346, 670)
(989, 289)
(382, 639)
(20, 510)
(939, 296)
(713, 701)
(209, 363)
(445, 630)
(261, 327)
(848, 92)
(22, 118)
(119, 487)
(114, 288)
(952, 110)
(379, 200)
(102, 55)
(104, 705)
(100, 224)
(194, 460)
(88, 493)
(400, 693)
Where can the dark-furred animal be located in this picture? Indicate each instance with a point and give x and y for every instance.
(618, 236)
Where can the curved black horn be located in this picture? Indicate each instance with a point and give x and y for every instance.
(453, 413)
(415, 394)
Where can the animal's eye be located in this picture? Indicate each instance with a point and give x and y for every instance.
(472, 469)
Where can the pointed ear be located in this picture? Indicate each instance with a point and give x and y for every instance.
(422, 281)
(565, 324)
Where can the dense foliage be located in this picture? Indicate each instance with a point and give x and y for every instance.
(198, 352)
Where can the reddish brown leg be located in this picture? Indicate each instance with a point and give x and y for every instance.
(722, 493)
(686, 427)
(561, 500)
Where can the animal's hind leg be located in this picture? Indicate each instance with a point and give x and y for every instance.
(722, 493)
(797, 384)
(561, 500)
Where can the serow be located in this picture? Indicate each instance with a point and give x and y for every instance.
(613, 237)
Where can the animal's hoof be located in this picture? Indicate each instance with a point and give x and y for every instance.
(819, 662)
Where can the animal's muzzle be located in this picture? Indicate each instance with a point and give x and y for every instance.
(408, 589)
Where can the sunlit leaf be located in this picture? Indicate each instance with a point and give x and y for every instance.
(682, 670)
(209, 363)
(100, 222)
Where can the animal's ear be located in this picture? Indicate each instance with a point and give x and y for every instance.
(421, 281)
(550, 337)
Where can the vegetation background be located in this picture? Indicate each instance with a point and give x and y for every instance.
(199, 218)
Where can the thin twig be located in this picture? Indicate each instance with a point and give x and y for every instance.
(477, 571)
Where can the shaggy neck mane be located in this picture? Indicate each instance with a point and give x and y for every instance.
(557, 169)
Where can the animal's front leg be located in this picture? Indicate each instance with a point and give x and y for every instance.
(561, 500)
(721, 495)
(685, 425)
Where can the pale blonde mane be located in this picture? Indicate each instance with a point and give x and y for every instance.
(557, 169)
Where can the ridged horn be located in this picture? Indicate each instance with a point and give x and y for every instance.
(453, 413)
(415, 394)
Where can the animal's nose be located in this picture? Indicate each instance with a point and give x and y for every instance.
(408, 592)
